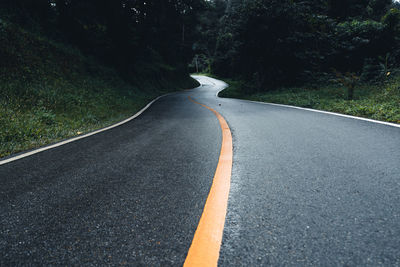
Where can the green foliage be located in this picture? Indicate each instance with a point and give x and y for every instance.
(50, 91)
(207, 34)
(358, 40)
(375, 102)
(348, 80)
(115, 32)
(200, 64)
(74, 66)
(272, 43)
(392, 19)
(392, 22)
(375, 70)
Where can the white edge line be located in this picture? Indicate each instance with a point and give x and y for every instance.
(30, 153)
(324, 112)
(329, 113)
(316, 110)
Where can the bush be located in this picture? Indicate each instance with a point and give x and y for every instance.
(380, 102)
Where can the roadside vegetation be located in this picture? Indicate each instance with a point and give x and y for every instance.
(341, 56)
(379, 102)
(68, 67)
(52, 89)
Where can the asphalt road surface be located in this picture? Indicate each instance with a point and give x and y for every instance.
(307, 189)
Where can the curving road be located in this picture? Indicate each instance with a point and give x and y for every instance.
(307, 189)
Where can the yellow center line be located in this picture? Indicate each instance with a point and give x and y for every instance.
(206, 244)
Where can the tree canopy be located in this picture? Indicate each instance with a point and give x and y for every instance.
(119, 32)
(281, 42)
(270, 42)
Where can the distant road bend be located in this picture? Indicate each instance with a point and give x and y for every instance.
(306, 188)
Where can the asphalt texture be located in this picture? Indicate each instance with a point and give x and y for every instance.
(308, 189)
(132, 195)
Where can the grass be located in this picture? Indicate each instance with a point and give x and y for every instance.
(50, 92)
(379, 102)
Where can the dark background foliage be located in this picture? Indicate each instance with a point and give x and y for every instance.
(271, 43)
(276, 43)
(69, 66)
(118, 32)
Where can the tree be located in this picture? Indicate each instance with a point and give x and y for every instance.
(273, 43)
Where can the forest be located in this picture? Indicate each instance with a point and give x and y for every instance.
(69, 66)
(275, 43)
(335, 55)
(122, 33)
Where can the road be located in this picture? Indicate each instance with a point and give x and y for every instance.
(306, 189)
